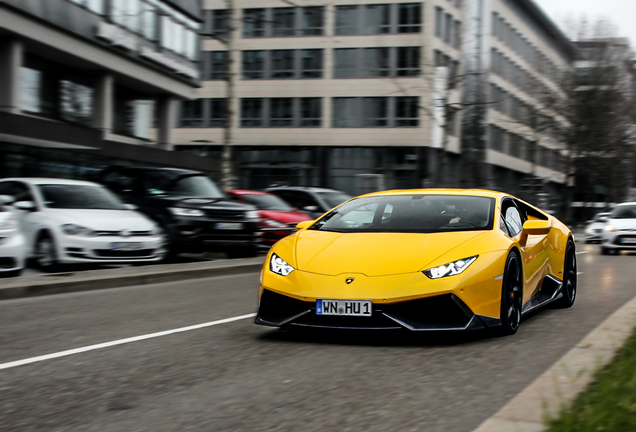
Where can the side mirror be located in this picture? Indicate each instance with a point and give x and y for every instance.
(24, 205)
(537, 227)
(304, 224)
(310, 208)
(6, 199)
(131, 206)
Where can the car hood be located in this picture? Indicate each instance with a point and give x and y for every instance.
(202, 203)
(283, 216)
(623, 224)
(374, 254)
(102, 220)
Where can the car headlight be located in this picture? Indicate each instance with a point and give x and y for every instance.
(610, 228)
(10, 223)
(156, 231)
(78, 230)
(252, 214)
(271, 223)
(450, 269)
(279, 266)
(180, 211)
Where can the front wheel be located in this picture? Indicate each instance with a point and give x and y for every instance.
(569, 278)
(511, 295)
(45, 254)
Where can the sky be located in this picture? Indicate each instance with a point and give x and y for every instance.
(622, 13)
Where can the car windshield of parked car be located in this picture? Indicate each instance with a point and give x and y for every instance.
(410, 213)
(267, 202)
(177, 184)
(333, 198)
(624, 212)
(66, 196)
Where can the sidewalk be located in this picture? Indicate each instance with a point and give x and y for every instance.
(57, 283)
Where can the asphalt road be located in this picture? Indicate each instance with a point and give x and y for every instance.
(237, 376)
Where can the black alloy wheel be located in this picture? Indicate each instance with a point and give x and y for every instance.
(569, 278)
(511, 295)
(45, 254)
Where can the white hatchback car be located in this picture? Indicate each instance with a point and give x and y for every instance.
(619, 232)
(70, 221)
(12, 246)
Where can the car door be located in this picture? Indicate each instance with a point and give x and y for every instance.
(533, 249)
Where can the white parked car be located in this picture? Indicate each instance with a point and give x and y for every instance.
(12, 246)
(594, 228)
(619, 232)
(70, 221)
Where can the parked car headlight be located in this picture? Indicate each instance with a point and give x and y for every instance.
(180, 211)
(450, 269)
(610, 228)
(271, 223)
(9, 223)
(252, 214)
(279, 266)
(78, 230)
(156, 231)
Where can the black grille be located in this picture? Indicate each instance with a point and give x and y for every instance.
(438, 312)
(8, 262)
(117, 233)
(625, 240)
(226, 215)
(105, 253)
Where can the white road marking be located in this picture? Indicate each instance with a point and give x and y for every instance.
(582, 252)
(579, 273)
(121, 342)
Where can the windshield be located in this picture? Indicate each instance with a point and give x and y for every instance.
(333, 199)
(624, 212)
(410, 213)
(267, 202)
(64, 196)
(176, 184)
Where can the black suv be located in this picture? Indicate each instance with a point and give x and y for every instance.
(190, 208)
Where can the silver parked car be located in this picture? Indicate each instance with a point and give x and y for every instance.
(594, 228)
(619, 232)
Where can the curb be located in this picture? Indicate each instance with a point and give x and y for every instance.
(103, 279)
(569, 376)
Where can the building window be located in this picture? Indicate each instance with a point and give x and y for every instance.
(192, 113)
(139, 16)
(216, 23)
(51, 90)
(214, 65)
(379, 19)
(283, 22)
(252, 112)
(254, 23)
(375, 112)
(253, 65)
(497, 139)
(377, 62)
(96, 6)
(281, 112)
(203, 113)
(283, 64)
(443, 60)
(132, 113)
(447, 28)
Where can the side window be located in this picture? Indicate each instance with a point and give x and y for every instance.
(513, 219)
(19, 191)
(290, 197)
(119, 182)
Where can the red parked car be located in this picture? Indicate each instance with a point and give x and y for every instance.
(278, 219)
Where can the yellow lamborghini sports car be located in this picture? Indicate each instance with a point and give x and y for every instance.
(428, 259)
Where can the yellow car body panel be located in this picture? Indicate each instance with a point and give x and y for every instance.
(387, 268)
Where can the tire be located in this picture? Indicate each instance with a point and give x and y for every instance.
(511, 296)
(569, 278)
(45, 254)
(12, 273)
(605, 251)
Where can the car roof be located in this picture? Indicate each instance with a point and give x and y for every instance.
(248, 192)
(44, 180)
(441, 191)
(302, 188)
(175, 170)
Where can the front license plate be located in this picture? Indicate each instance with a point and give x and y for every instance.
(343, 307)
(628, 241)
(229, 226)
(126, 246)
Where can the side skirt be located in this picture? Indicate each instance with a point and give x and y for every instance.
(551, 290)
